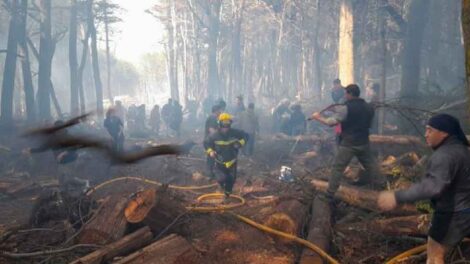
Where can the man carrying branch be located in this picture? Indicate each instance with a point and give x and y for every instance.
(355, 118)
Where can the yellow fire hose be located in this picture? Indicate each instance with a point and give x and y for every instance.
(224, 208)
(188, 188)
(411, 252)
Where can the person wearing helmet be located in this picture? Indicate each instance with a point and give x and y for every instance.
(223, 146)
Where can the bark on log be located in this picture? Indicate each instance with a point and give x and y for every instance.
(414, 225)
(109, 225)
(289, 216)
(124, 246)
(319, 233)
(362, 198)
(374, 139)
(157, 208)
(169, 250)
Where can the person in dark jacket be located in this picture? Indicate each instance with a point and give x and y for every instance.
(337, 93)
(211, 128)
(355, 118)
(297, 122)
(223, 147)
(446, 183)
(281, 115)
(166, 114)
(115, 128)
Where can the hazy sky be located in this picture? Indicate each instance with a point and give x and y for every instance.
(140, 32)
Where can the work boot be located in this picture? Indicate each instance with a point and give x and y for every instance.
(226, 198)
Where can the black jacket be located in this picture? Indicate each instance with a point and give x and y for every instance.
(211, 122)
(355, 128)
(447, 179)
(225, 144)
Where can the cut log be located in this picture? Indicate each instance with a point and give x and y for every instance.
(157, 208)
(108, 225)
(289, 216)
(362, 198)
(125, 245)
(414, 225)
(319, 233)
(172, 249)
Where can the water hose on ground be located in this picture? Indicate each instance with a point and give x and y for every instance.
(411, 252)
(223, 209)
(147, 181)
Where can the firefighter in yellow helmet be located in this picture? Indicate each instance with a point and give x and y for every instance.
(223, 146)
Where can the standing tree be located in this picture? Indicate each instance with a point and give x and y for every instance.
(73, 60)
(46, 52)
(95, 61)
(346, 42)
(10, 64)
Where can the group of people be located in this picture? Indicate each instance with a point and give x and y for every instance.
(289, 119)
(446, 181)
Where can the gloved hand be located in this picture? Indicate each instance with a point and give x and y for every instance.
(213, 154)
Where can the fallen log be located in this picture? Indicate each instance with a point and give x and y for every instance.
(121, 247)
(374, 139)
(157, 208)
(362, 198)
(414, 225)
(172, 249)
(288, 216)
(25, 187)
(319, 233)
(109, 225)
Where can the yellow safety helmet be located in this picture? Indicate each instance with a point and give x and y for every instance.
(225, 120)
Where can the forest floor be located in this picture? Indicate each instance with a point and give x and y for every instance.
(216, 237)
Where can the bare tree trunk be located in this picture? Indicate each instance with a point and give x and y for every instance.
(95, 61)
(46, 50)
(383, 68)
(26, 65)
(8, 85)
(466, 37)
(81, 68)
(73, 60)
(108, 58)
(346, 43)
(171, 53)
(214, 30)
(55, 102)
(411, 66)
